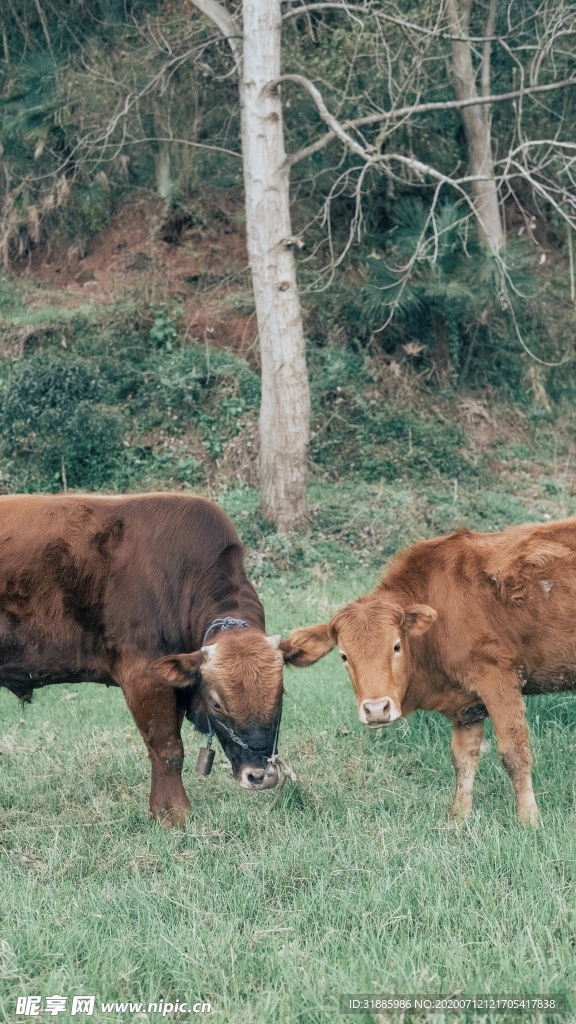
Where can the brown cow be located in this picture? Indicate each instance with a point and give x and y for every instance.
(119, 590)
(464, 625)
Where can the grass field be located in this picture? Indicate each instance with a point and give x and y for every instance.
(354, 880)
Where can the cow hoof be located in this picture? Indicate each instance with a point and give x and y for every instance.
(458, 817)
(174, 817)
(459, 812)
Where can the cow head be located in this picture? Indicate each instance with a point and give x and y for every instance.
(237, 682)
(373, 638)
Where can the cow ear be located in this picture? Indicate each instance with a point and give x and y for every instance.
(418, 618)
(306, 645)
(179, 669)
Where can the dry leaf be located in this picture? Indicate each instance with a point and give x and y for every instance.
(413, 348)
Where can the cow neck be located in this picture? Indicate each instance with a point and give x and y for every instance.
(390, 595)
(234, 607)
(216, 620)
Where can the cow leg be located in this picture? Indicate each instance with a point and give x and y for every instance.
(500, 692)
(153, 707)
(466, 742)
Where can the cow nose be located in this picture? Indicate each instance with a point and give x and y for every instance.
(377, 711)
(259, 778)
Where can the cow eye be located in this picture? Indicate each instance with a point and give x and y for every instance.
(397, 645)
(216, 706)
(343, 656)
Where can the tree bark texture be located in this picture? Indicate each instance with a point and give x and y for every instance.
(477, 122)
(162, 154)
(285, 407)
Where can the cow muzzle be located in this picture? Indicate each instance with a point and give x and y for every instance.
(258, 778)
(375, 711)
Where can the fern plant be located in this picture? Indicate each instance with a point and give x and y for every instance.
(440, 283)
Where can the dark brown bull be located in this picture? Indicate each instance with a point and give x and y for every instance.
(464, 625)
(140, 592)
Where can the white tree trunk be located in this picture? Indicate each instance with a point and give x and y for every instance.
(162, 164)
(477, 124)
(285, 408)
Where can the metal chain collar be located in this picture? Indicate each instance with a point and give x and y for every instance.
(222, 624)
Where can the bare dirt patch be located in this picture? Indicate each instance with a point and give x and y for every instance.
(156, 255)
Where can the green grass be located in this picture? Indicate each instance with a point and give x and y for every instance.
(355, 880)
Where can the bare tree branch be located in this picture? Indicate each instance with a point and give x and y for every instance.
(353, 10)
(371, 9)
(419, 108)
(183, 142)
(226, 23)
(542, 142)
(337, 130)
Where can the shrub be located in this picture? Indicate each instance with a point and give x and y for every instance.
(358, 429)
(54, 424)
(163, 333)
(65, 410)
